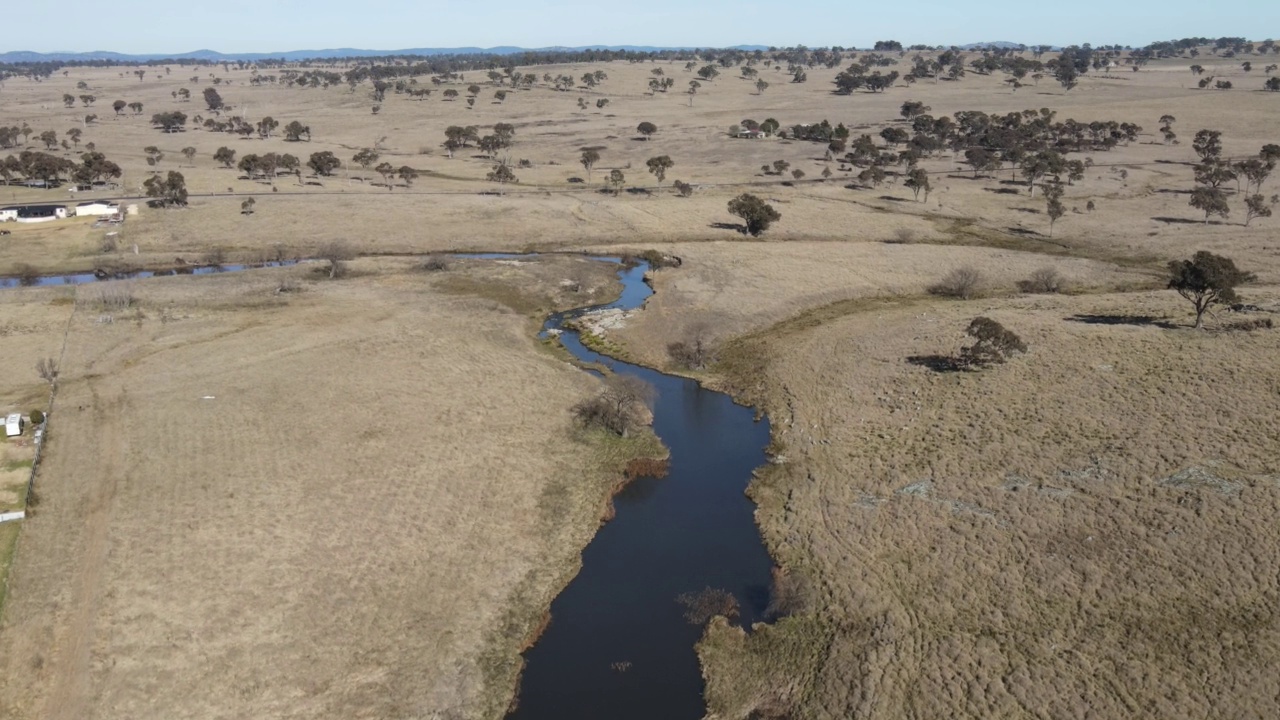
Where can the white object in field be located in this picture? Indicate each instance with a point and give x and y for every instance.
(132, 210)
(13, 425)
(6, 517)
(96, 207)
(208, 397)
(135, 248)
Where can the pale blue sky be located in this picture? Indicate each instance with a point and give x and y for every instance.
(147, 26)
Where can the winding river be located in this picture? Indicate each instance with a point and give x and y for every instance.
(618, 645)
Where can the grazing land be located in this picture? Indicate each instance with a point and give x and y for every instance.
(371, 513)
(353, 499)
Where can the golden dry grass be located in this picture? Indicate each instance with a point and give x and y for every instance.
(1087, 531)
(445, 208)
(367, 518)
(202, 557)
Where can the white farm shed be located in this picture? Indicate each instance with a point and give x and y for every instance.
(96, 207)
(13, 425)
(8, 214)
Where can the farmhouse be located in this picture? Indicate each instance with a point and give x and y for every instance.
(33, 213)
(96, 207)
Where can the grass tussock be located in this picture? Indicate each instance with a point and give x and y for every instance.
(647, 467)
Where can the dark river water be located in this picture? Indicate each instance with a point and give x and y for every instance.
(688, 531)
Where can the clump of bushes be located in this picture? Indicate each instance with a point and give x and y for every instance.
(1044, 280)
(684, 188)
(707, 603)
(695, 354)
(620, 408)
(435, 263)
(37, 417)
(657, 260)
(964, 283)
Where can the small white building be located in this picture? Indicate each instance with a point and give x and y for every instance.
(8, 214)
(96, 207)
(13, 425)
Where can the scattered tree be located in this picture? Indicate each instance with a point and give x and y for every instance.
(170, 191)
(756, 213)
(993, 344)
(918, 181)
(502, 174)
(1210, 201)
(658, 166)
(213, 100)
(616, 180)
(1256, 206)
(225, 155)
(647, 129)
(336, 253)
(1206, 280)
(589, 160)
(1053, 203)
(324, 163)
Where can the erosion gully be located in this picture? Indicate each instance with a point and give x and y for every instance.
(618, 645)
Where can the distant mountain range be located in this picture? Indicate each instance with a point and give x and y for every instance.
(26, 56)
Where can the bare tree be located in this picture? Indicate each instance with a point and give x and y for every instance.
(620, 408)
(336, 253)
(47, 369)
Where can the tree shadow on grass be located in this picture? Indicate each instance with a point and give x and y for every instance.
(891, 198)
(1003, 191)
(736, 227)
(936, 363)
(1122, 319)
(1183, 221)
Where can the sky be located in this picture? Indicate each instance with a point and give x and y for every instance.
(146, 26)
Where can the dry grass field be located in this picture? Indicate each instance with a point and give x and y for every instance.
(373, 512)
(352, 500)
(452, 205)
(1087, 531)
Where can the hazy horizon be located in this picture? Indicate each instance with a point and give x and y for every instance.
(238, 26)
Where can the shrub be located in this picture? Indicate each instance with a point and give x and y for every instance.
(27, 275)
(963, 283)
(694, 354)
(707, 603)
(902, 236)
(1044, 280)
(435, 263)
(656, 259)
(37, 417)
(684, 188)
(993, 344)
(620, 408)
